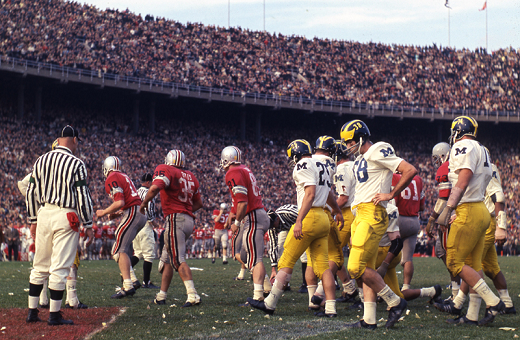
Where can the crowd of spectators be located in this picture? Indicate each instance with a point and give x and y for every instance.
(244, 61)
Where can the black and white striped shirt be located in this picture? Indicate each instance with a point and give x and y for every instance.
(287, 214)
(59, 178)
(150, 212)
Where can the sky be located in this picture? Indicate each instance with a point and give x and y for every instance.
(409, 22)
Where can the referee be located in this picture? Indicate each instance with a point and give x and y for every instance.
(57, 200)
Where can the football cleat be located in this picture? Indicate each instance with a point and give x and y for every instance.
(510, 310)
(314, 308)
(259, 305)
(448, 307)
(238, 278)
(224, 262)
(287, 288)
(56, 319)
(192, 303)
(46, 306)
(322, 314)
(437, 297)
(136, 285)
(159, 302)
(33, 315)
(357, 305)
(361, 324)
(213, 260)
(123, 293)
(316, 299)
(346, 297)
(395, 313)
(150, 285)
(80, 306)
(462, 320)
(491, 312)
(303, 289)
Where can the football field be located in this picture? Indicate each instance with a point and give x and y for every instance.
(219, 316)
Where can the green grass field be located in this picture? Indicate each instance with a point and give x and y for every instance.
(220, 317)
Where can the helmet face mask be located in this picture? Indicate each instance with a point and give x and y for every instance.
(357, 131)
(440, 154)
(230, 155)
(111, 163)
(327, 144)
(297, 149)
(175, 158)
(463, 126)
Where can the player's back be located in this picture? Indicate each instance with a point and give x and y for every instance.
(119, 185)
(409, 201)
(311, 171)
(242, 180)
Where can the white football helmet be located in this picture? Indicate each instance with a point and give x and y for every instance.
(230, 155)
(440, 153)
(224, 206)
(111, 163)
(175, 158)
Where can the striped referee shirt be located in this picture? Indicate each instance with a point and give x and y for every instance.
(287, 214)
(59, 178)
(150, 212)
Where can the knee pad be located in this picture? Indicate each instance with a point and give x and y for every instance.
(161, 266)
(116, 257)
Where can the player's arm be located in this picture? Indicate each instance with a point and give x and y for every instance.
(408, 172)
(112, 208)
(90, 234)
(241, 213)
(342, 200)
(308, 199)
(499, 199)
(336, 211)
(216, 218)
(150, 195)
(456, 194)
(395, 248)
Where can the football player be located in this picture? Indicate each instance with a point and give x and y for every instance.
(126, 205)
(311, 229)
(373, 168)
(180, 198)
(470, 173)
(220, 218)
(251, 219)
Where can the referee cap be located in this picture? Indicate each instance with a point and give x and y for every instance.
(146, 177)
(69, 131)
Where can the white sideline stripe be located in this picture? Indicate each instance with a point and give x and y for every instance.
(112, 319)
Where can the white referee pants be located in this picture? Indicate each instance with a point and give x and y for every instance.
(144, 243)
(56, 245)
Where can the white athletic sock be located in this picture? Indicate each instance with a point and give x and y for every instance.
(161, 295)
(485, 293)
(361, 296)
(330, 307)
(33, 302)
(276, 292)
(72, 298)
(224, 258)
(311, 290)
(267, 284)
(320, 291)
(190, 287)
(504, 296)
(349, 287)
(455, 286)
(44, 300)
(132, 275)
(389, 296)
(405, 286)
(429, 292)
(242, 273)
(127, 284)
(369, 312)
(474, 307)
(459, 300)
(258, 291)
(54, 305)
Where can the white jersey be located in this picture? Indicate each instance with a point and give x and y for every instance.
(373, 171)
(23, 184)
(311, 171)
(331, 166)
(494, 186)
(470, 154)
(393, 215)
(345, 182)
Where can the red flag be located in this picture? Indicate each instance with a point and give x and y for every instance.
(484, 7)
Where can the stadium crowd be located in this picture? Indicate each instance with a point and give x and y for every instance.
(244, 61)
(23, 142)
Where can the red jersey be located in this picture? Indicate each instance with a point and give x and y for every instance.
(442, 178)
(120, 187)
(98, 231)
(109, 231)
(198, 234)
(410, 200)
(208, 235)
(243, 188)
(179, 189)
(219, 225)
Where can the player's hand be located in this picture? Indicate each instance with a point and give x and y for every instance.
(90, 234)
(100, 213)
(115, 215)
(453, 217)
(234, 228)
(298, 232)
(443, 228)
(339, 220)
(500, 236)
(381, 198)
(383, 268)
(273, 275)
(430, 225)
(33, 231)
(142, 209)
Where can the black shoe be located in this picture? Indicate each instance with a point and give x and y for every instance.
(123, 293)
(150, 285)
(224, 262)
(303, 289)
(394, 314)
(357, 305)
(491, 312)
(361, 324)
(462, 320)
(136, 285)
(213, 260)
(287, 288)
(510, 310)
(56, 319)
(33, 315)
(437, 297)
(191, 304)
(322, 314)
(317, 300)
(44, 306)
(238, 279)
(80, 306)
(159, 302)
(345, 297)
(259, 305)
(448, 307)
